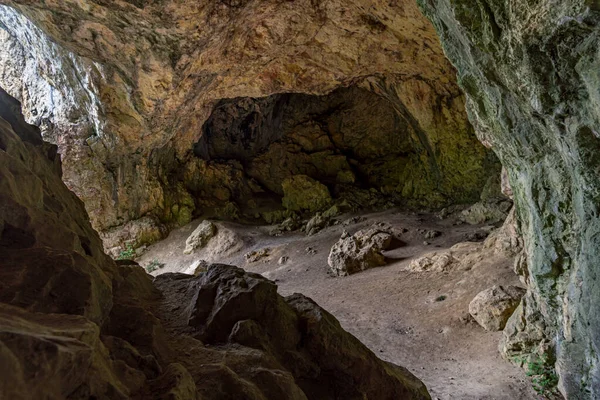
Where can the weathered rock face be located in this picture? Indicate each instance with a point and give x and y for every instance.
(74, 325)
(492, 307)
(530, 71)
(360, 251)
(353, 138)
(130, 86)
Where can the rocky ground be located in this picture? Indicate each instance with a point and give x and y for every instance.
(418, 319)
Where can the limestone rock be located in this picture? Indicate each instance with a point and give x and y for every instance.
(143, 231)
(316, 224)
(257, 255)
(492, 307)
(355, 253)
(486, 212)
(517, 75)
(302, 193)
(233, 308)
(205, 231)
(435, 261)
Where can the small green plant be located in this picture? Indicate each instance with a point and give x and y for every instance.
(128, 253)
(154, 265)
(542, 374)
(441, 298)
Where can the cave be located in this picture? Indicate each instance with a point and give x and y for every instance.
(261, 199)
(361, 142)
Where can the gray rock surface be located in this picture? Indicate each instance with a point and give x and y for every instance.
(355, 253)
(492, 307)
(530, 72)
(199, 238)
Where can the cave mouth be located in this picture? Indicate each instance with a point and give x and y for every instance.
(364, 150)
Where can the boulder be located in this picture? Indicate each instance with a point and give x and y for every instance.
(309, 355)
(302, 193)
(355, 253)
(200, 236)
(317, 224)
(486, 212)
(492, 307)
(256, 255)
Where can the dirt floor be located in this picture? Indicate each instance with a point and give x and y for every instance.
(398, 314)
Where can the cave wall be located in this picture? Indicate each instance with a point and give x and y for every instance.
(530, 71)
(150, 75)
(351, 139)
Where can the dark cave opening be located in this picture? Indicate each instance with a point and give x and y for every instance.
(352, 140)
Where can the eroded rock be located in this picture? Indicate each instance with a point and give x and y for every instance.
(302, 193)
(230, 307)
(492, 307)
(355, 253)
(200, 236)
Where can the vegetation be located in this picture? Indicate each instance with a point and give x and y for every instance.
(542, 374)
(154, 265)
(128, 253)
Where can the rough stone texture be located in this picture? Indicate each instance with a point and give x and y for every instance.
(316, 224)
(74, 324)
(205, 231)
(349, 139)
(355, 253)
(231, 307)
(530, 72)
(486, 212)
(125, 89)
(302, 193)
(492, 307)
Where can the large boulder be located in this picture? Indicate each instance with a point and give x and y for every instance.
(355, 253)
(308, 349)
(302, 193)
(492, 307)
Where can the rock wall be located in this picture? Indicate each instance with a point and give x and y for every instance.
(125, 88)
(75, 325)
(530, 71)
(351, 139)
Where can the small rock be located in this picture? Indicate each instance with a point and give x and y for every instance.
(310, 250)
(316, 224)
(492, 307)
(432, 233)
(426, 243)
(282, 260)
(200, 236)
(255, 255)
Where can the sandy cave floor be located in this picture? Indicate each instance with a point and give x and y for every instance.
(392, 310)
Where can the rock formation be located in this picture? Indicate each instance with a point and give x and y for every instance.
(530, 72)
(166, 110)
(74, 324)
(360, 251)
(492, 307)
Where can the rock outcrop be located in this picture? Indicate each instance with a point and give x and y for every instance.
(360, 251)
(133, 93)
(530, 72)
(205, 231)
(492, 307)
(74, 324)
